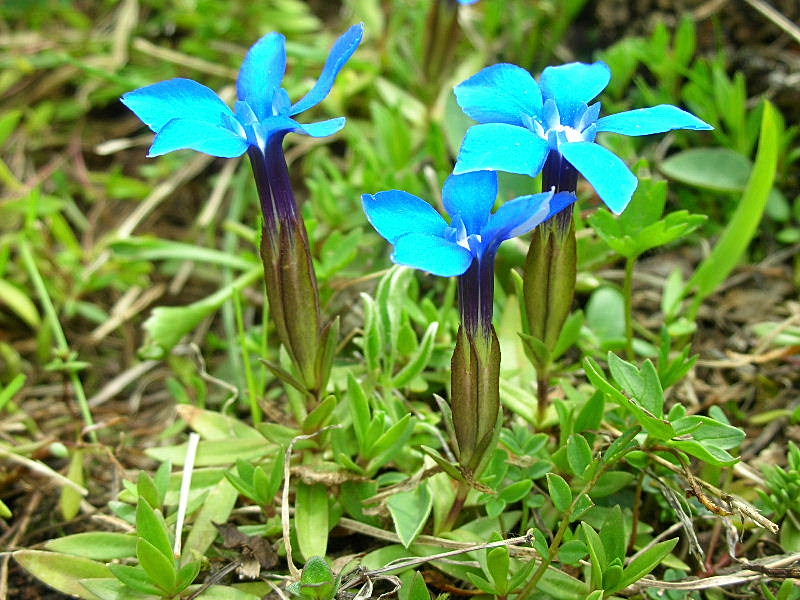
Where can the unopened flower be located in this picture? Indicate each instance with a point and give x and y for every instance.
(524, 123)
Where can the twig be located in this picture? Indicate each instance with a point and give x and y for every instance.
(179, 58)
(287, 474)
(737, 578)
(736, 504)
(186, 486)
(21, 527)
(42, 469)
(116, 385)
(776, 17)
(404, 564)
(425, 540)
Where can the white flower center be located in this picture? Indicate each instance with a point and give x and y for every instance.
(572, 134)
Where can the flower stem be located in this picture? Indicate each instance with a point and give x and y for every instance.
(458, 505)
(62, 346)
(627, 292)
(289, 275)
(530, 587)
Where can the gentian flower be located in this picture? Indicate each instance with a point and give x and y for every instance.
(466, 246)
(187, 114)
(526, 127)
(424, 240)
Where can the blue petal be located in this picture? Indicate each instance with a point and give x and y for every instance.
(340, 54)
(471, 196)
(431, 253)
(501, 147)
(161, 102)
(500, 94)
(321, 128)
(262, 73)
(467, 1)
(607, 173)
(396, 213)
(644, 121)
(573, 85)
(561, 201)
(198, 135)
(517, 217)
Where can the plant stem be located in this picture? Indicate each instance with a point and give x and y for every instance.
(62, 346)
(530, 587)
(627, 292)
(542, 389)
(458, 504)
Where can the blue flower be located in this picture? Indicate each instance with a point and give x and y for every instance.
(424, 240)
(522, 123)
(187, 114)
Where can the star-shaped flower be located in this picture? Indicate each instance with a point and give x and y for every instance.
(522, 122)
(424, 240)
(187, 114)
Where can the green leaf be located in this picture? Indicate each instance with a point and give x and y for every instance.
(152, 249)
(560, 493)
(597, 553)
(311, 519)
(572, 552)
(498, 563)
(214, 453)
(605, 315)
(410, 511)
(317, 579)
(658, 428)
(8, 124)
(391, 441)
(613, 535)
(718, 169)
(619, 446)
(9, 391)
(569, 334)
(70, 498)
(62, 572)
(151, 527)
(318, 418)
(135, 578)
(742, 227)
(644, 384)
(591, 415)
(186, 575)
(418, 363)
(96, 545)
(704, 451)
(516, 491)
(159, 568)
(611, 482)
(161, 482)
(644, 563)
(167, 325)
(415, 589)
(359, 409)
(579, 454)
(18, 302)
(146, 489)
(213, 425)
(217, 507)
(112, 589)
